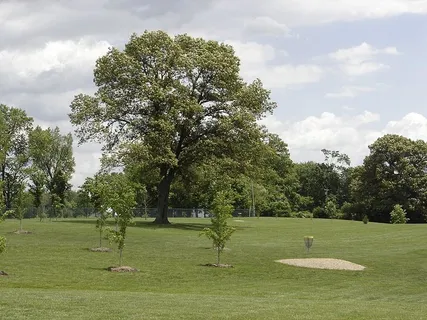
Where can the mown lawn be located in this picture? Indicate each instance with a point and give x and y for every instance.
(52, 275)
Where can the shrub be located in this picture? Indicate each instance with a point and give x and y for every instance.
(348, 211)
(398, 215)
(319, 212)
(365, 219)
(302, 214)
(331, 210)
(281, 208)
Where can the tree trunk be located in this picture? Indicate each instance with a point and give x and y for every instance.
(163, 198)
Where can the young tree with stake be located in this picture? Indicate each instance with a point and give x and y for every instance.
(118, 194)
(220, 232)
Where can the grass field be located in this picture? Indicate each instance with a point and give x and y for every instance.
(52, 275)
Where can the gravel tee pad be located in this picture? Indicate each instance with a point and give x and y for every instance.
(323, 263)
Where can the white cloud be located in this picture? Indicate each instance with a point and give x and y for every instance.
(348, 134)
(258, 61)
(413, 126)
(349, 92)
(314, 12)
(267, 26)
(361, 59)
(56, 55)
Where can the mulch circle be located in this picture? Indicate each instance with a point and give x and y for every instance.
(218, 265)
(100, 249)
(122, 269)
(22, 232)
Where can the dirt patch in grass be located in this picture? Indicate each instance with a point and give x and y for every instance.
(100, 249)
(218, 265)
(22, 232)
(323, 263)
(2, 273)
(122, 269)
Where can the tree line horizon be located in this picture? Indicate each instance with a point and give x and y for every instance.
(174, 115)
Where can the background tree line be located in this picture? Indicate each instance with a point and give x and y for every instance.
(36, 166)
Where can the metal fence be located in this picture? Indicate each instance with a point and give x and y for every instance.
(138, 212)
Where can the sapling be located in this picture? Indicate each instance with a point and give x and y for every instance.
(219, 231)
(120, 197)
(18, 210)
(2, 239)
(101, 222)
(2, 217)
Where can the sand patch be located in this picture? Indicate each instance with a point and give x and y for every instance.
(239, 220)
(323, 263)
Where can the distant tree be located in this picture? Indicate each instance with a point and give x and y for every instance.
(169, 103)
(219, 231)
(19, 206)
(14, 128)
(37, 189)
(52, 163)
(393, 172)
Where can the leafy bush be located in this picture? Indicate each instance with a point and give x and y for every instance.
(281, 208)
(319, 212)
(331, 210)
(348, 211)
(302, 214)
(365, 219)
(398, 215)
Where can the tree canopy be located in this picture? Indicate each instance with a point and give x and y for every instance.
(174, 101)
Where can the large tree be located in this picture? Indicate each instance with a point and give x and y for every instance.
(52, 163)
(14, 128)
(177, 99)
(395, 172)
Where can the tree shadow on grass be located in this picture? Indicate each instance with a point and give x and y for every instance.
(192, 226)
(175, 225)
(83, 221)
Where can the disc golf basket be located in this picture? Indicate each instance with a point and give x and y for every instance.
(308, 241)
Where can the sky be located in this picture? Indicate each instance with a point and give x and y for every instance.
(343, 72)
